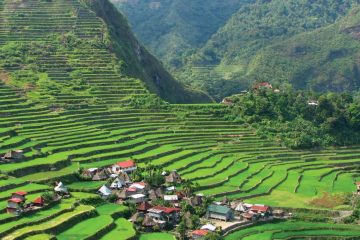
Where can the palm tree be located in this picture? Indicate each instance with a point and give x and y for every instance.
(189, 187)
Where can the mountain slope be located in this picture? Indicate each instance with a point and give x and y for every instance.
(139, 62)
(172, 29)
(232, 57)
(324, 59)
(28, 43)
(257, 26)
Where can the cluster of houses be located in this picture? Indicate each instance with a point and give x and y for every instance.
(12, 156)
(264, 86)
(240, 211)
(17, 203)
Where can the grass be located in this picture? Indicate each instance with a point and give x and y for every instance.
(285, 230)
(156, 236)
(124, 230)
(86, 228)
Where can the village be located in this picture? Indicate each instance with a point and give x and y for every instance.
(169, 206)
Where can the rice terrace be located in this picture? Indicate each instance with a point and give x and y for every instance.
(85, 144)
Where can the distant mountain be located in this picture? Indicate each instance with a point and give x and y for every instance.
(254, 41)
(173, 29)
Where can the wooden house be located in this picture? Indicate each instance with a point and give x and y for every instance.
(144, 206)
(14, 155)
(15, 206)
(173, 177)
(219, 212)
(170, 215)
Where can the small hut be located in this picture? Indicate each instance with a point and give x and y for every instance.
(117, 184)
(61, 189)
(148, 222)
(104, 191)
(38, 202)
(173, 177)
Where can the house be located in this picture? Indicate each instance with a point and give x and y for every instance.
(313, 103)
(61, 189)
(227, 101)
(249, 216)
(358, 187)
(144, 207)
(199, 234)
(89, 173)
(101, 175)
(219, 212)
(140, 187)
(149, 222)
(15, 206)
(123, 176)
(19, 195)
(38, 202)
(117, 184)
(171, 198)
(170, 215)
(173, 177)
(194, 201)
(137, 198)
(137, 216)
(242, 207)
(14, 155)
(104, 191)
(125, 166)
(209, 227)
(278, 213)
(261, 209)
(123, 194)
(262, 85)
(155, 194)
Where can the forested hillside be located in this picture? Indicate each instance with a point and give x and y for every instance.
(274, 41)
(173, 29)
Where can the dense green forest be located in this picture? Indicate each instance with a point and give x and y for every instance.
(300, 119)
(310, 44)
(174, 29)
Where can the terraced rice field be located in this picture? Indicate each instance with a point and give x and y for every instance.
(63, 131)
(296, 230)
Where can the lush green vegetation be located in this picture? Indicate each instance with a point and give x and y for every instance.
(67, 102)
(175, 29)
(309, 44)
(289, 116)
(156, 236)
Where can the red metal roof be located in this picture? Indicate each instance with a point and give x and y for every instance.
(200, 232)
(126, 164)
(260, 208)
(167, 210)
(21, 193)
(15, 200)
(358, 183)
(131, 189)
(39, 200)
